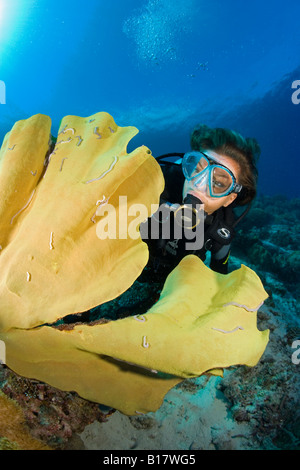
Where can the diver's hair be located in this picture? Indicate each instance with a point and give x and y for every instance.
(245, 151)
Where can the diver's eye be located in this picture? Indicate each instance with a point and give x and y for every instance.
(218, 184)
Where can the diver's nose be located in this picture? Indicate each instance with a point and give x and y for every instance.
(201, 183)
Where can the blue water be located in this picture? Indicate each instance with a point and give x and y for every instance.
(163, 66)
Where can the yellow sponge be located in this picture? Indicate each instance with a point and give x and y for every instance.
(191, 330)
(52, 264)
(52, 261)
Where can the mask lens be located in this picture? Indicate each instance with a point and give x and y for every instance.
(193, 164)
(221, 181)
(201, 165)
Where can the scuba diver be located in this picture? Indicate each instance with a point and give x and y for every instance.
(218, 176)
(212, 181)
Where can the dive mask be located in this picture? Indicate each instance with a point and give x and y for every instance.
(202, 170)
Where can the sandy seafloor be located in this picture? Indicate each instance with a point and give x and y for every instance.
(186, 421)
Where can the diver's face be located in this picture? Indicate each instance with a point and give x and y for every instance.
(211, 204)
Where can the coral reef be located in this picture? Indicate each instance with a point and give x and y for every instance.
(267, 397)
(269, 239)
(51, 416)
(14, 434)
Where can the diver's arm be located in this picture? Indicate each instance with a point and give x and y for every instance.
(219, 260)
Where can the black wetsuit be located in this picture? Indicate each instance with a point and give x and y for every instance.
(218, 232)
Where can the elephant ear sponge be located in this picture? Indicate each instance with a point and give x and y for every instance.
(203, 321)
(52, 261)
